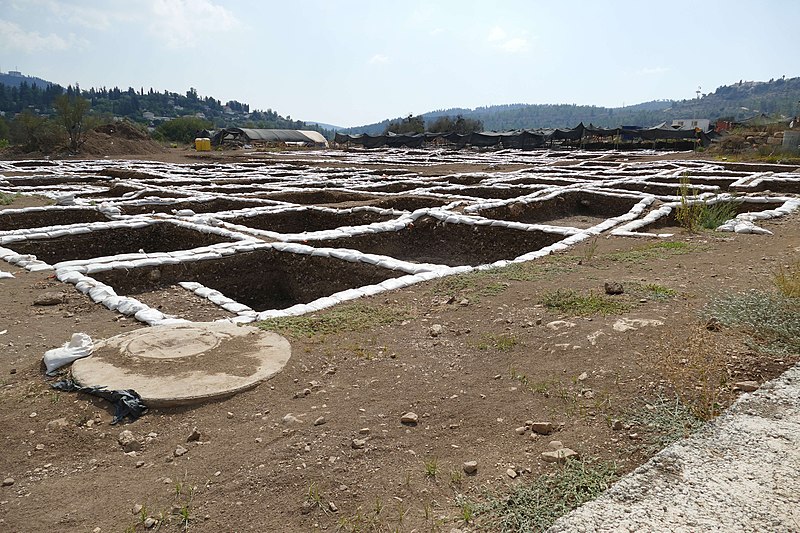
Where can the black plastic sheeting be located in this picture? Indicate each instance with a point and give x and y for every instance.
(521, 139)
(127, 403)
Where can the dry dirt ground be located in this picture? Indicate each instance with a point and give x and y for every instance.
(321, 446)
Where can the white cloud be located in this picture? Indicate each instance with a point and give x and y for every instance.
(496, 34)
(185, 23)
(88, 17)
(14, 37)
(515, 45)
(378, 59)
(501, 40)
(436, 31)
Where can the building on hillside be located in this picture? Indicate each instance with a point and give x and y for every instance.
(266, 137)
(685, 124)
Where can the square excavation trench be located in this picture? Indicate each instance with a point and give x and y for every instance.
(409, 203)
(262, 279)
(498, 193)
(298, 221)
(669, 224)
(430, 240)
(319, 197)
(156, 237)
(578, 209)
(40, 218)
(208, 206)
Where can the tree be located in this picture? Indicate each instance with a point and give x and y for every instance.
(410, 124)
(183, 129)
(70, 112)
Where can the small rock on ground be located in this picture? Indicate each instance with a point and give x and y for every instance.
(50, 298)
(410, 418)
(470, 467)
(613, 287)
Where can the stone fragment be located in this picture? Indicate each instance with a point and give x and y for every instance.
(180, 450)
(556, 444)
(194, 436)
(616, 425)
(613, 287)
(510, 472)
(332, 507)
(556, 325)
(7, 482)
(319, 421)
(289, 418)
(559, 456)
(136, 509)
(358, 444)
(50, 298)
(746, 386)
(129, 442)
(543, 428)
(149, 522)
(436, 330)
(583, 377)
(470, 467)
(410, 418)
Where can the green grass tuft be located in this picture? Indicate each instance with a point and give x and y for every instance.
(536, 505)
(663, 422)
(356, 317)
(657, 250)
(771, 319)
(572, 302)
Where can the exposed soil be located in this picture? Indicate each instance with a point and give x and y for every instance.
(498, 362)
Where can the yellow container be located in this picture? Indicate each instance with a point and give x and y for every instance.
(202, 144)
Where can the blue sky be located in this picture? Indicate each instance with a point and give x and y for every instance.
(352, 63)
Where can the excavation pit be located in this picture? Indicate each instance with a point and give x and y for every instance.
(301, 220)
(206, 206)
(262, 279)
(409, 203)
(430, 240)
(43, 217)
(155, 237)
(320, 197)
(491, 193)
(574, 208)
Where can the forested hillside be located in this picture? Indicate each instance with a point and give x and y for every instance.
(144, 106)
(738, 101)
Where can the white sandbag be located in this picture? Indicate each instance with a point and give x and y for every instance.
(148, 315)
(80, 345)
(6, 275)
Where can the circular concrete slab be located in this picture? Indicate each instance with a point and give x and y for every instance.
(187, 363)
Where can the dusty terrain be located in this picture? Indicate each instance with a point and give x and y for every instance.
(321, 446)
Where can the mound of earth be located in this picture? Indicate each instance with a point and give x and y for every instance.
(119, 139)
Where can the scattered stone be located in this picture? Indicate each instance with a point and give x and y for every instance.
(511, 473)
(289, 418)
(229, 414)
(588, 394)
(464, 302)
(50, 298)
(358, 444)
(556, 325)
(319, 421)
(7, 482)
(97, 530)
(556, 444)
(194, 436)
(149, 522)
(470, 467)
(58, 423)
(616, 425)
(332, 507)
(363, 431)
(410, 418)
(713, 324)
(128, 442)
(632, 324)
(543, 428)
(180, 450)
(559, 456)
(436, 330)
(613, 287)
(746, 386)
(583, 377)
(139, 464)
(39, 447)
(136, 509)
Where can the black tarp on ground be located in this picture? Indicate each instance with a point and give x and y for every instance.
(522, 139)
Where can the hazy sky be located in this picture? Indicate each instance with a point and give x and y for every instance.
(352, 63)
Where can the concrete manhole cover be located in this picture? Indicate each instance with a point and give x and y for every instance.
(184, 363)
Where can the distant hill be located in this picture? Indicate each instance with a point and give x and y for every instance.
(16, 78)
(738, 101)
(322, 125)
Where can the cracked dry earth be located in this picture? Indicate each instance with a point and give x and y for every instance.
(321, 446)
